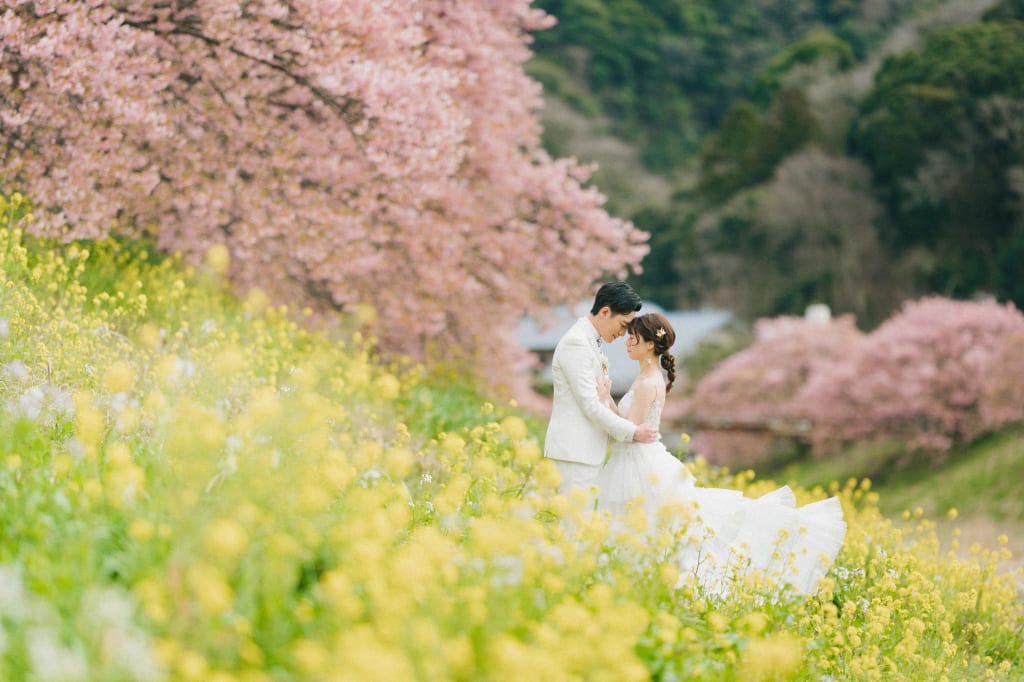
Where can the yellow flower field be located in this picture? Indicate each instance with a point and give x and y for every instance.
(195, 487)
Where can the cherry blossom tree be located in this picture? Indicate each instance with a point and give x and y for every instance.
(930, 376)
(383, 152)
(761, 384)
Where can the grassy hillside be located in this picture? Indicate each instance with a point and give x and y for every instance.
(196, 487)
(980, 479)
(975, 497)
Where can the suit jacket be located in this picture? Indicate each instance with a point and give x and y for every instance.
(580, 424)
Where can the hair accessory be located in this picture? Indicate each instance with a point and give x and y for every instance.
(660, 333)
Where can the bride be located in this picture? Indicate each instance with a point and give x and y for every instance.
(725, 534)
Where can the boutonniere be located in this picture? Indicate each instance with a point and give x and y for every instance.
(604, 365)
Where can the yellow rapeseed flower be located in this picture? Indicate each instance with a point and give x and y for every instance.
(775, 657)
(149, 337)
(141, 530)
(755, 623)
(225, 540)
(387, 387)
(546, 474)
(636, 518)
(210, 589)
(399, 462)
(527, 453)
(218, 258)
(458, 654)
(310, 656)
(338, 590)
(192, 666)
(264, 405)
(256, 301)
(364, 314)
(124, 484)
(118, 455)
(92, 490)
(153, 599)
(452, 444)
(62, 464)
(89, 422)
(230, 361)
(119, 377)
(514, 427)
(367, 455)
(313, 499)
(717, 621)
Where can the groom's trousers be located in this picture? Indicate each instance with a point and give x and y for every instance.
(576, 475)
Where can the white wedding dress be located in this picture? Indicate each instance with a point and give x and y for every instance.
(726, 535)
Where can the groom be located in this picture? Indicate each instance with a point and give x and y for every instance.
(577, 437)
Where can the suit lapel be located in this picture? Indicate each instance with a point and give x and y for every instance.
(590, 334)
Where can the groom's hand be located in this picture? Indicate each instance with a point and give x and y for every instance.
(645, 433)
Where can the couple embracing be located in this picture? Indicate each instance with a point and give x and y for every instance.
(731, 535)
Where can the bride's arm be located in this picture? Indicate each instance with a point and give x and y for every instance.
(644, 395)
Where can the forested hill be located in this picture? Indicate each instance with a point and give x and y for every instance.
(857, 153)
(667, 71)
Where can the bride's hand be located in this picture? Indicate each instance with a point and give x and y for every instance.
(604, 390)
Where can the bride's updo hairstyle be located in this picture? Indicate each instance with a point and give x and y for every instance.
(655, 328)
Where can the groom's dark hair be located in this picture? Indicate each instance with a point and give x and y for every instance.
(618, 296)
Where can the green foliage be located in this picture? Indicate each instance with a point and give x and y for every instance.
(556, 82)
(750, 145)
(811, 49)
(1006, 10)
(657, 281)
(724, 93)
(668, 72)
(940, 131)
(921, 99)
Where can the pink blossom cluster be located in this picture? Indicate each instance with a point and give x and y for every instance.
(760, 384)
(383, 152)
(938, 372)
(1002, 400)
(921, 377)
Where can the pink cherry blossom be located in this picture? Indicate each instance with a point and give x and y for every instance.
(920, 378)
(368, 151)
(761, 384)
(937, 373)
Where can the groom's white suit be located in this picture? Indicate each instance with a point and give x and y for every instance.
(577, 436)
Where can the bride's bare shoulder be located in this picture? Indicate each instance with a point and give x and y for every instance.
(654, 386)
(648, 386)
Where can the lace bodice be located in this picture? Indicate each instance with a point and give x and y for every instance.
(653, 414)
